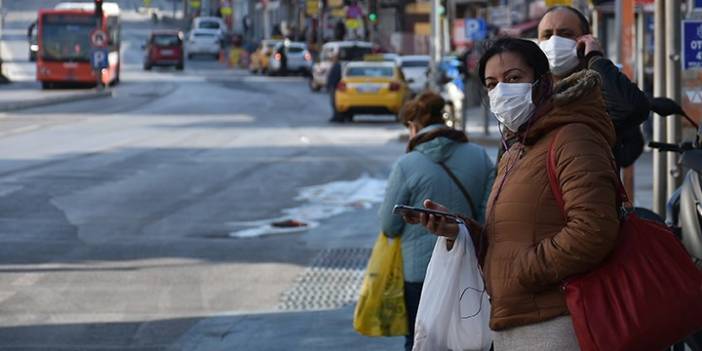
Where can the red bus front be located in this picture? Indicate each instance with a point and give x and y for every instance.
(64, 47)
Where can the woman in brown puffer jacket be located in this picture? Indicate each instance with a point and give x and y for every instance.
(531, 248)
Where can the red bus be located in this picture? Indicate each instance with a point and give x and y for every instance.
(64, 44)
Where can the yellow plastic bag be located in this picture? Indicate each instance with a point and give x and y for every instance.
(381, 306)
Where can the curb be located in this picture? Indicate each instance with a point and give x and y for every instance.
(23, 105)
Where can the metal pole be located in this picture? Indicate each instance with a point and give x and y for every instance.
(435, 43)
(641, 50)
(672, 72)
(2, 24)
(618, 29)
(659, 163)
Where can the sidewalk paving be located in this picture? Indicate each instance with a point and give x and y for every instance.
(23, 95)
(290, 331)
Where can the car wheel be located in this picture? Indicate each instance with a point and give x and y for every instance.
(180, 66)
(147, 67)
(346, 116)
(47, 85)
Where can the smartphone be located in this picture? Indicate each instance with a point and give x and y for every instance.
(415, 211)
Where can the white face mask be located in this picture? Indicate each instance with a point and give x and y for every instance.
(511, 103)
(561, 53)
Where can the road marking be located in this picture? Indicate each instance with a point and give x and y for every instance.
(27, 279)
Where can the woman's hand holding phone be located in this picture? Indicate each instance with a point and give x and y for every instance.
(438, 225)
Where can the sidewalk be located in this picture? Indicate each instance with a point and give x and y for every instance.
(290, 331)
(23, 95)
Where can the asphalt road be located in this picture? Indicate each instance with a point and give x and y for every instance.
(116, 214)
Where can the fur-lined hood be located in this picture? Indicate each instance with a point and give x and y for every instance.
(576, 99)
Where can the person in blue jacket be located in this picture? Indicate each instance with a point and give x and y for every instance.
(440, 164)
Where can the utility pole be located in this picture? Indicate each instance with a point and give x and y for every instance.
(672, 72)
(2, 24)
(435, 44)
(659, 128)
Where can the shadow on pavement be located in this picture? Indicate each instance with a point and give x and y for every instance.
(274, 331)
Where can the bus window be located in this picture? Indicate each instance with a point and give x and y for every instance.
(66, 37)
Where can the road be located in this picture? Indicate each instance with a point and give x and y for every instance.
(125, 222)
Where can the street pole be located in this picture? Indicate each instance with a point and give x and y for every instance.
(435, 44)
(659, 132)
(672, 72)
(641, 50)
(2, 24)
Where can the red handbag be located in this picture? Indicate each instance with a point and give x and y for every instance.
(647, 295)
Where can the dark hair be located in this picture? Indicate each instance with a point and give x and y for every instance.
(424, 110)
(584, 23)
(528, 50)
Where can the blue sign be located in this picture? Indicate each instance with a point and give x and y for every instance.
(476, 29)
(692, 44)
(98, 59)
(697, 5)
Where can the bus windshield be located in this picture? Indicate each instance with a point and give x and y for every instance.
(66, 37)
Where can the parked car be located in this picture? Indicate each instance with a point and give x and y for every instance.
(415, 68)
(164, 48)
(347, 51)
(260, 57)
(290, 57)
(210, 23)
(33, 41)
(203, 41)
(370, 88)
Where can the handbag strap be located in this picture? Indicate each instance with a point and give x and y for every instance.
(622, 197)
(455, 179)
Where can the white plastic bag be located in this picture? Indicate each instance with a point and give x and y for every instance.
(454, 310)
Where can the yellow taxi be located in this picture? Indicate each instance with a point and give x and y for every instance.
(259, 58)
(370, 88)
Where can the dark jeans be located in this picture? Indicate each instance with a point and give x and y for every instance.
(412, 294)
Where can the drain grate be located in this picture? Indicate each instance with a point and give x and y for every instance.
(333, 280)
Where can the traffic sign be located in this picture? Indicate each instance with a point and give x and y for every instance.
(476, 29)
(697, 5)
(692, 44)
(99, 59)
(98, 38)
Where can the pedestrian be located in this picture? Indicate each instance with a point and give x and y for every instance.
(564, 35)
(528, 247)
(333, 79)
(443, 158)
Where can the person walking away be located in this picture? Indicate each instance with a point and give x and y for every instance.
(565, 37)
(433, 151)
(529, 244)
(333, 79)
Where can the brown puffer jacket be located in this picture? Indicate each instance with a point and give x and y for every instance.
(531, 248)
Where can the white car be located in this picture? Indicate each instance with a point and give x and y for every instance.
(203, 42)
(298, 58)
(347, 51)
(415, 68)
(210, 23)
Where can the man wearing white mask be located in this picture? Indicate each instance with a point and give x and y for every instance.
(565, 37)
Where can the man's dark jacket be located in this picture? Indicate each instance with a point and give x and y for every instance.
(627, 106)
(334, 76)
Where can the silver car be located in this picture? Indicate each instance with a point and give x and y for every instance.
(290, 57)
(203, 41)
